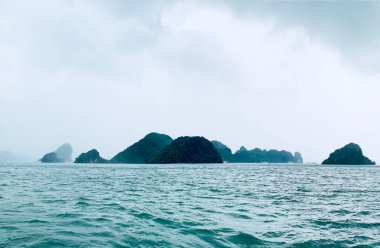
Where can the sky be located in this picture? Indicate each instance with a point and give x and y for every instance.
(294, 75)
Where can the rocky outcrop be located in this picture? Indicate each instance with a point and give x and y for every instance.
(90, 157)
(350, 154)
(61, 155)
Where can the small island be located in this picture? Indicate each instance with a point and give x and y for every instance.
(90, 157)
(61, 155)
(350, 154)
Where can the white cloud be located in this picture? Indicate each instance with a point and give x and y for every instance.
(79, 72)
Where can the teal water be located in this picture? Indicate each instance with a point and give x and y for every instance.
(189, 206)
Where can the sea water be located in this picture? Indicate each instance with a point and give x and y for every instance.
(226, 205)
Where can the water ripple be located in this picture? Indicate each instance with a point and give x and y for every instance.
(189, 206)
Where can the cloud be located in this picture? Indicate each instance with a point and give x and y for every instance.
(350, 26)
(102, 74)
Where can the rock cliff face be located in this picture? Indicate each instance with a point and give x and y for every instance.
(143, 151)
(350, 154)
(189, 150)
(90, 157)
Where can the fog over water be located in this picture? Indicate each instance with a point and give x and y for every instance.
(102, 74)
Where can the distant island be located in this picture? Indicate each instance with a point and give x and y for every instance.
(90, 157)
(156, 148)
(243, 155)
(6, 156)
(350, 154)
(61, 155)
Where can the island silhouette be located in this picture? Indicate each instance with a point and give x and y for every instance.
(156, 148)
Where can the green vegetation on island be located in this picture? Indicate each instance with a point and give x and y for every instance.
(156, 148)
(143, 151)
(350, 154)
(257, 155)
(189, 150)
(90, 157)
(243, 155)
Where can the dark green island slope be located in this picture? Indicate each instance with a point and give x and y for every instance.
(189, 150)
(90, 157)
(223, 150)
(143, 151)
(350, 154)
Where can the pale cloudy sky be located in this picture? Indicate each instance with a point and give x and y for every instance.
(300, 76)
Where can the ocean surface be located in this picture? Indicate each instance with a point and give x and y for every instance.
(227, 205)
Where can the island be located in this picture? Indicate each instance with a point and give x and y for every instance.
(189, 150)
(350, 154)
(157, 148)
(61, 155)
(90, 157)
(143, 151)
(243, 155)
(51, 157)
(64, 152)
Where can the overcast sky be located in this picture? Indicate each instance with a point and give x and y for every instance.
(299, 76)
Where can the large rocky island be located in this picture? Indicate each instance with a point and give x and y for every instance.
(350, 154)
(61, 155)
(189, 150)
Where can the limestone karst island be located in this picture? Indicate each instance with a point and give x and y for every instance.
(156, 148)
